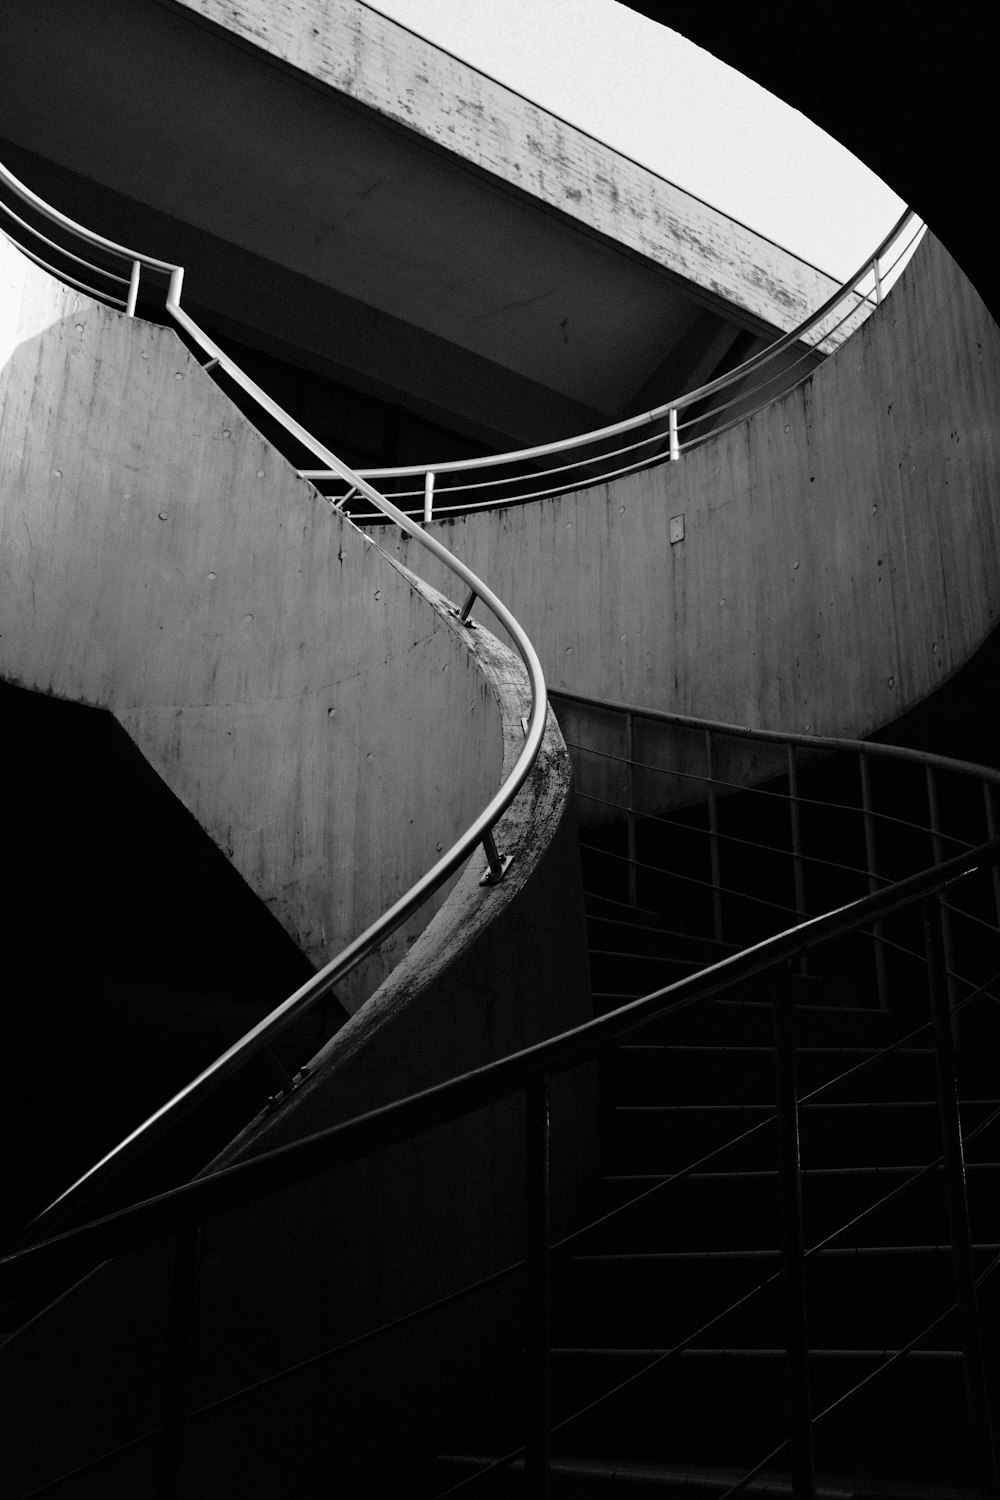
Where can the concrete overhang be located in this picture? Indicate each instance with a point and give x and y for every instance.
(345, 193)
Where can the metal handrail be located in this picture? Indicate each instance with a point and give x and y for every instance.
(988, 774)
(479, 832)
(667, 411)
(287, 1166)
(529, 1072)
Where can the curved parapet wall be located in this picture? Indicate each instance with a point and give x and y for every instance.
(820, 567)
(162, 561)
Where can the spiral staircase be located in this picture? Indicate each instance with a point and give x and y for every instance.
(780, 1279)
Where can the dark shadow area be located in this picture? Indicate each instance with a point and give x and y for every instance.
(133, 954)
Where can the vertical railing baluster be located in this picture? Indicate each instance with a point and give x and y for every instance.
(798, 867)
(974, 1364)
(133, 290)
(630, 798)
(428, 496)
(713, 837)
(792, 1244)
(871, 861)
(989, 795)
(537, 1334)
(675, 447)
(877, 272)
(178, 1358)
(937, 847)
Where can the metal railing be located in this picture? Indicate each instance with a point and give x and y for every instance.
(49, 247)
(660, 435)
(644, 764)
(181, 1211)
(672, 807)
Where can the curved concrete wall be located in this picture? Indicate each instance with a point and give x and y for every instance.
(840, 555)
(317, 711)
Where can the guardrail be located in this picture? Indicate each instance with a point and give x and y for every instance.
(661, 435)
(181, 1211)
(56, 257)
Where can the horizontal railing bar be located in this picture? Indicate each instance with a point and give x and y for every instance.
(726, 890)
(81, 286)
(687, 399)
(375, 1130)
(733, 838)
(53, 214)
(60, 249)
(783, 737)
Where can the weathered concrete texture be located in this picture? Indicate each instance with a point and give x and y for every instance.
(841, 554)
(386, 67)
(319, 714)
(320, 1264)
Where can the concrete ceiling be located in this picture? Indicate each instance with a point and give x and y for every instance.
(277, 191)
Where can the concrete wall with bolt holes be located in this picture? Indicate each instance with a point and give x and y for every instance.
(841, 549)
(318, 713)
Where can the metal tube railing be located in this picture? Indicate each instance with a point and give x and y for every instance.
(181, 1210)
(479, 832)
(286, 1166)
(670, 409)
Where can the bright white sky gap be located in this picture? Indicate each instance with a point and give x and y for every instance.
(648, 92)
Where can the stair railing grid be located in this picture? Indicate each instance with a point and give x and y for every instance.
(56, 260)
(599, 456)
(678, 743)
(182, 1210)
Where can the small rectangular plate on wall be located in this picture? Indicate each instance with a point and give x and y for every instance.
(676, 529)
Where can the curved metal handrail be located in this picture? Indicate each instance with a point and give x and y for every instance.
(480, 831)
(988, 774)
(285, 1166)
(529, 1071)
(667, 412)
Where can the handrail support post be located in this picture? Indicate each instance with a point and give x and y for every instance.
(537, 1292)
(675, 447)
(798, 864)
(630, 803)
(133, 290)
(464, 613)
(973, 1361)
(428, 496)
(871, 861)
(178, 1361)
(497, 864)
(792, 1244)
(715, 864)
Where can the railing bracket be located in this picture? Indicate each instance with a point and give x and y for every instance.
(463, 613)
(497, 864)
(494, 877)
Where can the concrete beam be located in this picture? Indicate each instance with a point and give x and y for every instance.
(378, 63)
